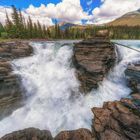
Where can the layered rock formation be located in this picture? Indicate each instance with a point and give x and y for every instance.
(118, 120)
(93, 59)
(10, 87)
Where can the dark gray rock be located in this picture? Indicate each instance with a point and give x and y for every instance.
(133, 76)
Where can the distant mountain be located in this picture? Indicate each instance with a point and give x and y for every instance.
(66, 25)
(130, 19)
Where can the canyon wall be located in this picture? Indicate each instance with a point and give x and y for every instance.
(10, 86)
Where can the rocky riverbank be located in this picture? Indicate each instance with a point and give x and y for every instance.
(10, 86)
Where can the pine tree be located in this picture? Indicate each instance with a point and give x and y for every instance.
(9, 26)
(30, 27)
(44, 31)
(48, 33)
(40, 32)
(35, 31)
(21, 25)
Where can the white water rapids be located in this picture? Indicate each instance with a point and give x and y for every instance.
(54, 101)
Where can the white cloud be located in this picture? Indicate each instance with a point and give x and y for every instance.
(3, 14)
(43, 20)
(67, 10)
(111, 9)
(89, 2)
(72, 11)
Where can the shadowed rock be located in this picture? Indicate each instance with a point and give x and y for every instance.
(133, 76)
(10, 87)
(29, 134)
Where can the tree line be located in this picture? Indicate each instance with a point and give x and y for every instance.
(17, 27)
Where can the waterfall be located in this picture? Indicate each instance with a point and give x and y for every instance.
(52, 90)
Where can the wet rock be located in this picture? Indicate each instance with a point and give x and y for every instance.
(133, 76)
(12, 50)
(29, 134)
(119, 120)
(10, 87)
(80, 134)
(93, 59)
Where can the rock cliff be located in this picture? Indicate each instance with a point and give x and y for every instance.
(10, 87)
(93, 59)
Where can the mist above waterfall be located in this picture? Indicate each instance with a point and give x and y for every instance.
(52, 90)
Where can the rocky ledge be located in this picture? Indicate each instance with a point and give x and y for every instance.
(93, 58)
(118, 120)
(10, 89)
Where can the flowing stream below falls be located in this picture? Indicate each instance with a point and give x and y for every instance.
(53, 98)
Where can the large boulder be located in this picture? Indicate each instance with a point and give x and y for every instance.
(80, 134)
(10, 87)
(29, 134)
(93, 58)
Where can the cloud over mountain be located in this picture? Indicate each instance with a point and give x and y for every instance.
(111, 9)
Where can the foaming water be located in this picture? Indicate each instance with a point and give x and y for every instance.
(53, 99)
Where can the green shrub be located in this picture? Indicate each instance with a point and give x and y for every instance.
(4, 35)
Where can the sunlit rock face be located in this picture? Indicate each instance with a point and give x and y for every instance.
(118, 120)
(93, 59)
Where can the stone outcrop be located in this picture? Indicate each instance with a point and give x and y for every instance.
(10, 89)
(29, 134)
(119, 120)
(93, 59)
(80, 134)
(133, 76)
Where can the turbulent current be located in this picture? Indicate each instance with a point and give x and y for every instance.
(53, 99)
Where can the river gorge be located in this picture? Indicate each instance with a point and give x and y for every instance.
(52, 98)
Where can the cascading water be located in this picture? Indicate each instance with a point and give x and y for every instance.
(53, 99)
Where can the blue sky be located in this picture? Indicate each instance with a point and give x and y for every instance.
(87, 5)
(74, 11)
